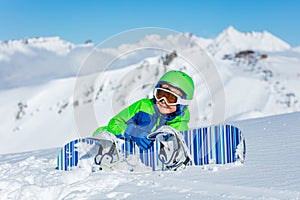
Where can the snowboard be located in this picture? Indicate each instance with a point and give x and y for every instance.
(218, 144)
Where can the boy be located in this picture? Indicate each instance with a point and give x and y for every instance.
(172, 94)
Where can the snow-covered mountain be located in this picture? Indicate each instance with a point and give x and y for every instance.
(41, 97)
(232, 40)
(33, 61)
(53, 44)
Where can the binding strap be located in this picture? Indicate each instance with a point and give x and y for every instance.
(162, 156)
(109, 155)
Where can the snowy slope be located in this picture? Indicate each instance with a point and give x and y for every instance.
(271, 171)
(47, 111)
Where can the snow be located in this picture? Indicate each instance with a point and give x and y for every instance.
(43, 105)
(231, 39)
(271, 171)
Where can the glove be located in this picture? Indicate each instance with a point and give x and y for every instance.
(139, 136)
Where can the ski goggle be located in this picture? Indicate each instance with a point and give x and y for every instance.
(170, 97)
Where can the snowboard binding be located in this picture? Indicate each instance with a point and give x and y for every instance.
(173, 152)
(108, 153)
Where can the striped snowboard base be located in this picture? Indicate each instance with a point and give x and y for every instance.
(216, 144)
(219, 144)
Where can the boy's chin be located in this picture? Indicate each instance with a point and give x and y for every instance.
(164, 111)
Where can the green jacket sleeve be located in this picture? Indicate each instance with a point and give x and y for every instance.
(117, 125)
(100, 129)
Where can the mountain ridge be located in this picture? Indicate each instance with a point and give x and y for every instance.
(43, 59)
(226, 34)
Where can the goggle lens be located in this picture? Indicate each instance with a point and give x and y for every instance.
(168, 96)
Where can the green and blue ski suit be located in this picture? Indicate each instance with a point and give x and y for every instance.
(143, 117)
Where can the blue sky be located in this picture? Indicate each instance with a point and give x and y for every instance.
(79, 20)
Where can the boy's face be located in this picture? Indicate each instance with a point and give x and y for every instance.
(165, 108)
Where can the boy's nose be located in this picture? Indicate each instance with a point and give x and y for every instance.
(163, 101)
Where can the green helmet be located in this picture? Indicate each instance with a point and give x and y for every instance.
(181, 81)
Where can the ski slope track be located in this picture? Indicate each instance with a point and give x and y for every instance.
(271, 171)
